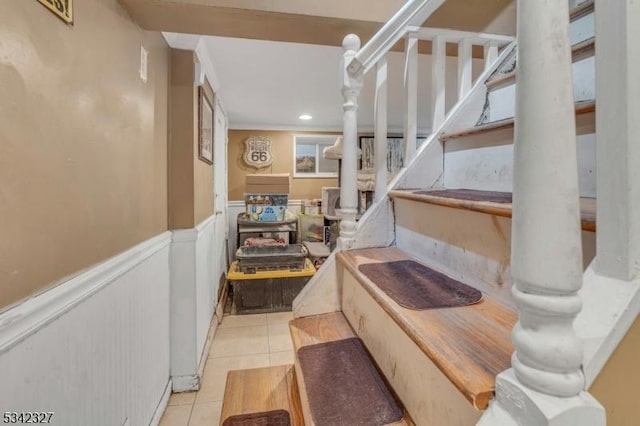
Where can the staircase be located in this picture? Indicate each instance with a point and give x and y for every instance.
(488, 202)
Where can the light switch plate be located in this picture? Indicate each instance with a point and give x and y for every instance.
(143, 63)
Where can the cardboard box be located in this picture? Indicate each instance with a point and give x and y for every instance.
(267, 189)
(275, 183)
(268, 178)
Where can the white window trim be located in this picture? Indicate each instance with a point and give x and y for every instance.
(325, 175)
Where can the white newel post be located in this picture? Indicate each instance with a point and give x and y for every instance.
(351, 87)
(618, 138)
(380, 131)
(546, 384)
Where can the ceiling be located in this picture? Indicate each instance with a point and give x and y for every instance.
(277, 59)
(267, 85)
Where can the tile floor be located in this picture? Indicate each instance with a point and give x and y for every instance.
(241, 341)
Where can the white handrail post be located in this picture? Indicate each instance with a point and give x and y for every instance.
(618, 134)
(465, 64)
(490, 54)
(380, 131)
(438, 68)
(351, 87)
(411, 95)
(546, 384)
(546, 244)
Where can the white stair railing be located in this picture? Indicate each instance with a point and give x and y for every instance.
(356, 62)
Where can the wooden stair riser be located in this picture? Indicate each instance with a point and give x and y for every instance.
(260, 390)
(485, 160)
(321, 329)
(333, 331)
(502, 96)
(474, 247)
(471, 247)
(581, 50)
(302, 388)
(429, 397)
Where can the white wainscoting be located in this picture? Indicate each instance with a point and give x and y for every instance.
(195, 275)
(95, 349)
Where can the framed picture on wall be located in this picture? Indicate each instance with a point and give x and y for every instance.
(205, 127)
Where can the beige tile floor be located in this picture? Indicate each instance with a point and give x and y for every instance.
(241, 341)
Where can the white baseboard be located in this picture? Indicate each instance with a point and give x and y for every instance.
(185, 383)
(162, 405)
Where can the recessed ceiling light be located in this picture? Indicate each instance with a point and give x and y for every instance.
(305, 117)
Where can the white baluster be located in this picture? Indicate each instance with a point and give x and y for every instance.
(465, 64)
(618, 137)
(490, 54)
(351, 87)
(546, 243)
(411, 95)
(438, 64)
(380, 131)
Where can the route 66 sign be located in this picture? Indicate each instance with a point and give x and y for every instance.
(62, 8)
(257, 152)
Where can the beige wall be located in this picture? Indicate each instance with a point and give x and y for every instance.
(616, 387)
(183, 122)
(301, 188)
(190, 179)
(83, 141)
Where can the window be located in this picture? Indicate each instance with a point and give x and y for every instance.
(307, 156)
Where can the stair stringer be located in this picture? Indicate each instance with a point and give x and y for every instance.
(322, 294)
(609, 308)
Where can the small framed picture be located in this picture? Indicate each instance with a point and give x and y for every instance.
(205, 127)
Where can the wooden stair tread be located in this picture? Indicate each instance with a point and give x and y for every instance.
(581, 107)
(262, 389)
(579, 51)
(323, 328)
(319, 329)
(470, 345)
(582, 9)
(587, 205)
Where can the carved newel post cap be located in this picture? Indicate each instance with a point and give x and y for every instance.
(351, 42)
